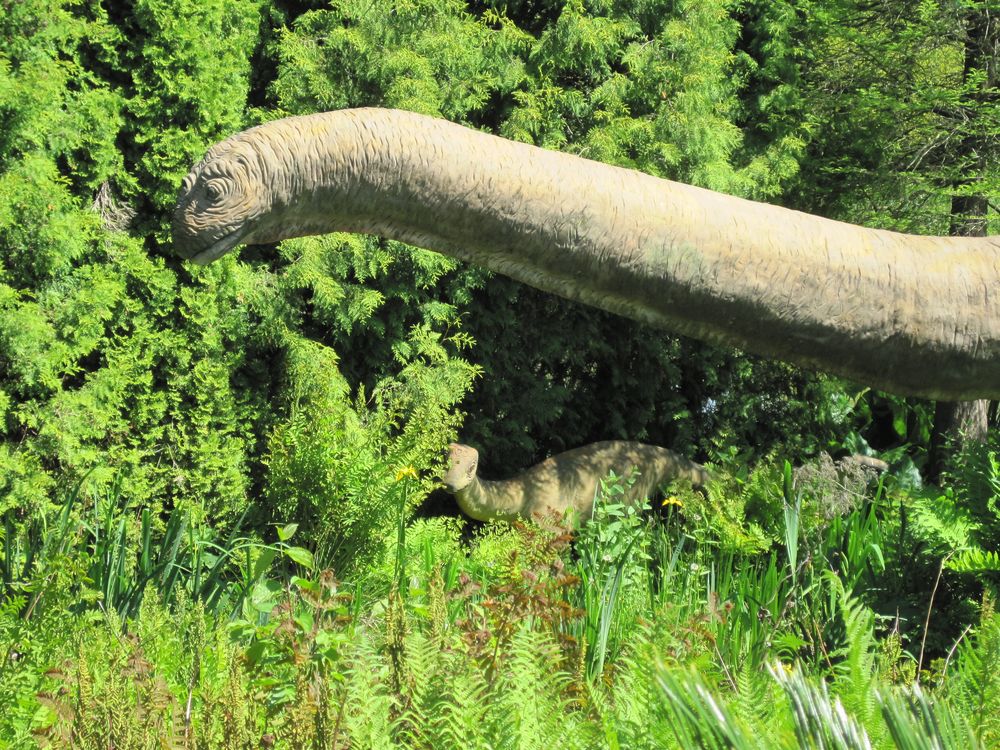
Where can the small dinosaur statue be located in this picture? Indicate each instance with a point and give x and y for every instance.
(565, 482)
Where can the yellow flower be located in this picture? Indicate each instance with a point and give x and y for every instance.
(406, 471)
(672, 500)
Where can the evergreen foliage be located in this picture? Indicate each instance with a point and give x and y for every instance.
(654, 88)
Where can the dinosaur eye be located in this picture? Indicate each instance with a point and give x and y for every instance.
(214, 190)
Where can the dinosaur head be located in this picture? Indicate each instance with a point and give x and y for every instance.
(224, 200)
(463, 461)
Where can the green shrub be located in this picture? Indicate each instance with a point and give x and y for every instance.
(612, 550)
(333, 464)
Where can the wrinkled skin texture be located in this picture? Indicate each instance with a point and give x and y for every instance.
(563, 485)
(907, 314)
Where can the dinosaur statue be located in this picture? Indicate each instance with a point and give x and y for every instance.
(908, 314)
(565, 482)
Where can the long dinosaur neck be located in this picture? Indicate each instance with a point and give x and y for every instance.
(903, 313)
(487, 501)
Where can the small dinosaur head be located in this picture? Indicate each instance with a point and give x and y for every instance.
(222, 201)
(463, 461)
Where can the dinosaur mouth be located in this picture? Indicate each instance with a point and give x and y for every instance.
(220, 247)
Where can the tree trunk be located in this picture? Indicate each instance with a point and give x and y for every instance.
(956, 424)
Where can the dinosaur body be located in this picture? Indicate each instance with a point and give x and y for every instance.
(903, 313)
(565, 482)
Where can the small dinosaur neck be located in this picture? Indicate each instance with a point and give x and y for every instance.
(488, 501)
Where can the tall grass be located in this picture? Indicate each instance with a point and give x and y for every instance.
(115, 555)
(645, 632)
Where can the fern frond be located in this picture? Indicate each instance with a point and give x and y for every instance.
(855, 674)
(462, 719)
(820, 720)
(368, 702)
(975, 560)
(534, 696)
(697, 717)
(447, 698)
(942, 521)
(630, 709)
(974, 689)
(917, 723)
(757, 704)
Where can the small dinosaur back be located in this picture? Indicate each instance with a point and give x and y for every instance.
(567, 481)
(570, 480)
